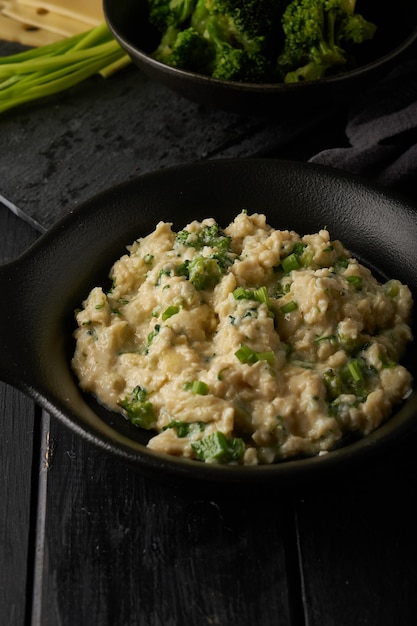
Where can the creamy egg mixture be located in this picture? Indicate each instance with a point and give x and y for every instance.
(245, 345)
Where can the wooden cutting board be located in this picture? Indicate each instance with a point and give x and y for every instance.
(36, 23)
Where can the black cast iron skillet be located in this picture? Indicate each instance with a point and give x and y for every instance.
(41, 289)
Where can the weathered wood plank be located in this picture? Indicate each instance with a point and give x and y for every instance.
(18, 430)
(125, 550)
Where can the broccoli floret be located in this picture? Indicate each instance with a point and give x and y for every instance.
(206, 271)
(316, 32)
(217, 448)
(165, 13)
(240, 34)
(209, 235)
(247, 24)
(357, 29)
(184, 49)
(202, 272)
(233, 63)
(138, 408)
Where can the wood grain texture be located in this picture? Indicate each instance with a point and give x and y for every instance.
(358, 546)
(124, 550)
(18, 427)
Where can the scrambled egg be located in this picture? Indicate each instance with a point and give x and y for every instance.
(246, 345)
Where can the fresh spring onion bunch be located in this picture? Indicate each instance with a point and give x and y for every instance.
(50, 69)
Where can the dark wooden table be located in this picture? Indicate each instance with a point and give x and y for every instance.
(85, 540)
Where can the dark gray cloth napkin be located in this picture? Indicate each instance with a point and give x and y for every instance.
(382, 132)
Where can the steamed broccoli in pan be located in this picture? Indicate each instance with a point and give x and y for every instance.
(258, 40)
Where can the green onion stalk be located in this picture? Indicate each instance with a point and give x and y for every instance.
(47, 70)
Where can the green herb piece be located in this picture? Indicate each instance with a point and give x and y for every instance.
(170, 311)
(330, 338)
(163, 272)
(153, 334)
(148, 259)
(211, 236)
(333, 383)
(184, 429)
(217, 447)
(138, 409)
(350, 345)
(355, 377)
(221, 372)
(341, 263)
(355, 280)
(299, 248)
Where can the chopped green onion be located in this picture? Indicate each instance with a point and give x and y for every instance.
(246, 355)
(241, 293)
(249, 356)
(290, 263)
(197, 386)
(289, 307)
(354, 280)
(392, 288)
(261, 295)
(268, 356)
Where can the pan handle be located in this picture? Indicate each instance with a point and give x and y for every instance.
(11, 349)
(6, 317)
(12, 279)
